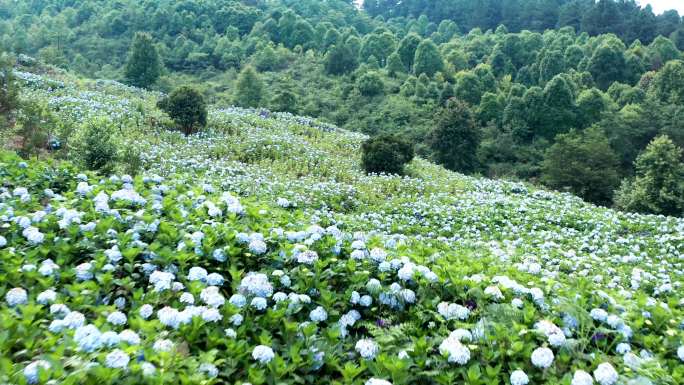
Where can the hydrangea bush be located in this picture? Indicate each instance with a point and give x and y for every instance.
(258, 252)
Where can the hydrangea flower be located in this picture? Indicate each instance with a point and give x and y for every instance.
(581, 378)
(542, 357)
(263, 354)
(46, 297)
(453, 311)
(256, 284)
(209, 369)
(16, 297)
(366, 301)
(259, 303)
(88, 338)
(215, 279)
(318, 314)
(211, 296)
(455, 351)
(130, 337)
(680, 353)
(238, 300)
(307, 257)
(519, 377)
(162, 345)
(367, 348)
(146, 311)
(32, 370)
(110, 338)
(605, 374)
(257, 246)
(197, 274)
(117, 359)
(117, 318)
(377, 381)
(161, 280)
(169, 316)
(33, 235)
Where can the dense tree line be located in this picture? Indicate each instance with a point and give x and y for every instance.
(489, 100)
(624, 18)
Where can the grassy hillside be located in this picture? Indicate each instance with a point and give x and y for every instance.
(259, 252)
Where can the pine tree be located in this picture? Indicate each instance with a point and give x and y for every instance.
(144, 65)
(455, 139)
(428, 60)
(394, 65)
(339, 60)
(249, 88)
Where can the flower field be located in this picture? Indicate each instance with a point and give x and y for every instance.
(258, 252)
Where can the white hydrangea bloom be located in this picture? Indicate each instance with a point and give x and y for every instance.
(318, 314)
(455, 350)
(605, 374)
(32, 370)
(367, 348)
(16, 296)
(377, 381)
(582, 378)
(519, 377)
(542, 357)
(263, 354)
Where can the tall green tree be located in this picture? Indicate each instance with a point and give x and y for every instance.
(143, 67)
(584, 164)
(9, 89)
(428, 60)
(668, 83)
(559, 114)
(339, 60)
(395, 65)
(455, 138)
(658, 187)
(249, 89)
(607, 64)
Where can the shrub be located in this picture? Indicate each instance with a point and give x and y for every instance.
(386, 154)
(370, 84)
(187, 108)
(95, 149)
(34, 122)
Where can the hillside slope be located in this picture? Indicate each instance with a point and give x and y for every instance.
(258, 251)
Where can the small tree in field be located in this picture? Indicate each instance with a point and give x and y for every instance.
(249, 88)
(187, 108)
(143, 67)
(386, 154)
(456, 137)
